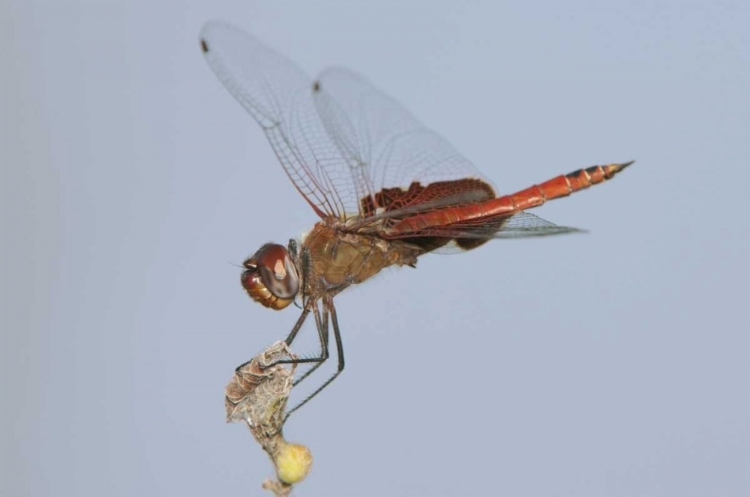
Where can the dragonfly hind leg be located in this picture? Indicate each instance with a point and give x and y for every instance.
(322, 323)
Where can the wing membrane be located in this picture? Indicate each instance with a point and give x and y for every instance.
(465, 236)
(384, 145)
(279, 97)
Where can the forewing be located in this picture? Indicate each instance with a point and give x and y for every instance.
(279, 96)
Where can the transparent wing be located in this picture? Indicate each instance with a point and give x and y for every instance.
(279, 97)
(521, 224)
(524, 224)
(383, 144)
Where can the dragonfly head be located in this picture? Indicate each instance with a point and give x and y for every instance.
(270, 277)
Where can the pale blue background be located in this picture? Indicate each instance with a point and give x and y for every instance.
(608, 364)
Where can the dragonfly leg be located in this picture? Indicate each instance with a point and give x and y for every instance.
(322, 325)
(328, 308)
(289, 339)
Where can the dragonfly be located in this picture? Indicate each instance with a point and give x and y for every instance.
(386, 188)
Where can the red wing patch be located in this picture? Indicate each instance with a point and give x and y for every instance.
(452, 192)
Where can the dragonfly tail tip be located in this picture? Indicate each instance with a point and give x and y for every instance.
(623, 165)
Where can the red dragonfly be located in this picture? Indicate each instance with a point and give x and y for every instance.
(386, 188)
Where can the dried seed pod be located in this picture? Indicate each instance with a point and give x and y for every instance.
(257, 395)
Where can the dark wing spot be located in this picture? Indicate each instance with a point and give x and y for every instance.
(204, 46)
(316, 86)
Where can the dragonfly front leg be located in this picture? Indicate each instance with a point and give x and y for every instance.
(322, 327)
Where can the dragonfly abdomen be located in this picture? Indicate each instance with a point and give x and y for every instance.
(507, 205)
(564, 185)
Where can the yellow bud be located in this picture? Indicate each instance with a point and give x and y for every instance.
(293, 462)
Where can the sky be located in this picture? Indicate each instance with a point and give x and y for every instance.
(132, 186)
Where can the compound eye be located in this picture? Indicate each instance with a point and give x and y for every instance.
(271, 277)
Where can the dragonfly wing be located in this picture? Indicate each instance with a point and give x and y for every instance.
(386, 148)
(466, 235)
(279, 96)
